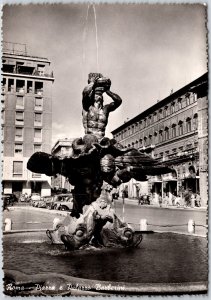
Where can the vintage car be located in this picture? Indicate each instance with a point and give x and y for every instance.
(35, 198)
(47, 202)
(8, 200)
(63, 202)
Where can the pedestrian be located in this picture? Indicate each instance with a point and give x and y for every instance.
(173, 200)
(198, 200)
(160, 200)
(192, 199)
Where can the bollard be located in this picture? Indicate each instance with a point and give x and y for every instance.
(8, 224)
(143, 225)
(191, 226)
(56, 221)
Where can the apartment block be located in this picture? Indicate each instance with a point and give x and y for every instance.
(26, 103)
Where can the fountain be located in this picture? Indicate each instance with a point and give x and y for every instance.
(95, 160)
(92, 251)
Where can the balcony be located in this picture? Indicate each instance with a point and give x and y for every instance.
(25, 70)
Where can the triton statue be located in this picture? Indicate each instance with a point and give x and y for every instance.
(96, 159)
(95, 115)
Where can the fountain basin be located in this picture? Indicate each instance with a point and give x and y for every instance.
(163, 263)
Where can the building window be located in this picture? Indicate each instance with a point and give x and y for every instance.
(17, 168)
(19, 132)
(4, 85)
(18, 149)
(3, 101)
(183, 103)
(149, 120)
(187, 96)
(150, 139)
(160, 136)
(180, 128)
(20, 86)
(140, 143)
(20, 102)
(144, 123)
(38, 118)
(173, 107)
(29, 87)
(19, 117)
(165, 112)
(160, 114)
(174, 150)
(145, 141)
(37, 133)
(133, 128)
(39, 88)
(11, 85)
(37, 148)
(155, 117)
(38, 103)
(173, 130)
(196, 144)
(195, 122)
(188, 125)
(3, 116)
(189, 146)
(156, 137)
(166, 133)
(179, 103)
(140, 125)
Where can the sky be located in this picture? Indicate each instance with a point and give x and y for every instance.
(146, 51)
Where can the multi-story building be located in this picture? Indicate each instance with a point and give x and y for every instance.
(62, 148)
(174, 130)
(26, 118)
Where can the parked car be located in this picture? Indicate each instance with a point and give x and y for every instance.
(8, 200)
(144, 199)
(47, 202)
(41, 203)
(63, 202)
(35, 198)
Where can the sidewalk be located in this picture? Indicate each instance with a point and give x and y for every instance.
(132, 201)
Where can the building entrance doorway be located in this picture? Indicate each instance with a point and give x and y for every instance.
(17, 188)
(36, 187)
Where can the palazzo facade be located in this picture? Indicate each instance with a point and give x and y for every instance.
(174, 130)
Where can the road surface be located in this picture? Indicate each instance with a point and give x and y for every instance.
(158, 219)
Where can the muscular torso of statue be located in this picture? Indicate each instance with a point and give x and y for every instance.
(95, 121)
(95, 115)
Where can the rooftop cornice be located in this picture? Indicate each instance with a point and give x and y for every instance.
(187, 88)
(25, 57)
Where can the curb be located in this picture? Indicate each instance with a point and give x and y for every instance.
(135, 202)
(53, 212)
